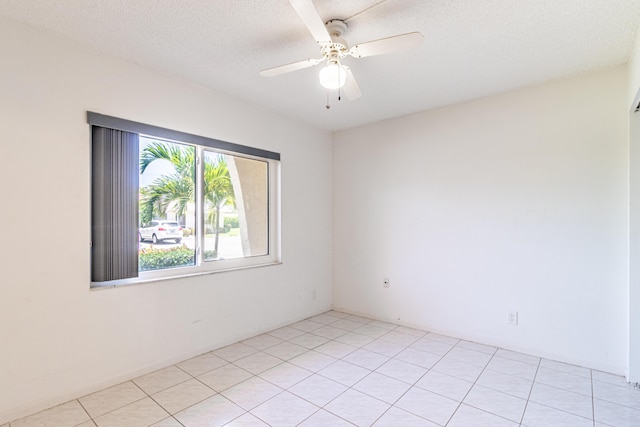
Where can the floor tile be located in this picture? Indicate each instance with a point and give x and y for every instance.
(442, 338)
(445, 385)
(161, 380)
(286, 350)
(357, 408)
(469, 356)
(213, 412)
(615, 415)
(467, 416)
(323, 418)
(505, 383)
(234, 352)
(286, 333)
(285, 375)
(251, 393)
(347, 325)
(68, 414)
(258, 362)
(419, 333)
(309, 341)
(403, 371)
(142, 413)
(516, 368)
(167, 422)
(483, 348)
(324, 318)
(385, 348)
(90, 423)
(306, 325)
(518, 357)
(366, 359)
(329, 332)
(575, 403)
(112, 398)
(201, 364)
(313, 361)
(284, 409)
(396, 417)
(183, 395)
(224, 377)
(606, 377)
(318, 390)
(247, 420)
(431, 406)
(262, 342)
(434, 347)
(335, 349)
(537, 415)
(371, 331)
(354, 339)
(380, 324)
(338, 314)
(625, 395)
(495, 402)
(565, 367)
(565, 381)
(344, 373)
(382, 387)
(459, 369)
(418, 357)
(358, 318)
(399, 338)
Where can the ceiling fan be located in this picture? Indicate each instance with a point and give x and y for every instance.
(333, 48)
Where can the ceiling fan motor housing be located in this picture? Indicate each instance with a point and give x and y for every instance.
(337, 49)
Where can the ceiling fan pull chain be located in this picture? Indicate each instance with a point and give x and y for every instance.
(327, 106)
(339, 87)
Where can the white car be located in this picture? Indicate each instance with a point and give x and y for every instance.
(159, 230)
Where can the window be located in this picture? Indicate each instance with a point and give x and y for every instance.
(168, 204)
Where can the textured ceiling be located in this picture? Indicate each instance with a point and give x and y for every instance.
(472, 48)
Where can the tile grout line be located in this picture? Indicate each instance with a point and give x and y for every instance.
(470, 388)
(593, 399)
(533, 383)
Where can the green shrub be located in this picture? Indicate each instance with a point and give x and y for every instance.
(210, 255)
(153, 259)
(231, 222)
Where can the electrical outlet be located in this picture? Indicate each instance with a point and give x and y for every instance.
(313, 294)
(386, 282)
(512, 318)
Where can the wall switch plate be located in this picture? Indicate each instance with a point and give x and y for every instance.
(512, 318)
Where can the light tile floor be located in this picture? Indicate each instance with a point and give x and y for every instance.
(337, 369)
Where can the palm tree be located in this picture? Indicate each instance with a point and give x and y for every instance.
(218, 191)
(177, 190)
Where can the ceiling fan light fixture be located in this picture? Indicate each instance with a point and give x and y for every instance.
(333, 76)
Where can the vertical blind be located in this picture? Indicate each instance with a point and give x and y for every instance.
(114, 210)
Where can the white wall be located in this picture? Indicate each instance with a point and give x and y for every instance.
(60, 340)
(513, 202)
(634, 74)
(634, 215)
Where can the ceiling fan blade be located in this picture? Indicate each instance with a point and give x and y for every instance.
(351, 89)
(387, 45)
(309, 15)
(287, 68)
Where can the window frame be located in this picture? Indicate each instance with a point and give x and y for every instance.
(202, 144)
